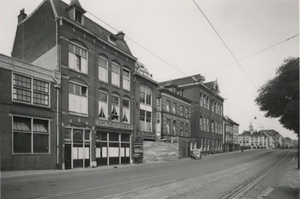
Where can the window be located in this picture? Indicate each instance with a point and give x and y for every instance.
(181, 110)
(145, 95)
(115, 108)
(126, 110)
(112, 40)
(157, 118)
(78, 100)
(181, 128)
(30, 135)
(174, 108)
(221, 110)
(207, 124)
(168, 126)
(126, 79)
(78, 58)
(115, 74)
(187, 130)
(204, 101)
(103, 69)
(201, 123)
(145, 120)
(30, 90)
(208, 103)
(158, 102)
(103, 106)
(78, 17)
(174, 127)
(212, 126)
(201, 99)
(187, 112)
(168, 106)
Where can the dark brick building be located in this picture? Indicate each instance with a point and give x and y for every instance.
(173, 118)
(28, 116)
(95, 99)
(206, 111)
(145, 90)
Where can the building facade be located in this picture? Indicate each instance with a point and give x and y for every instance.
(173, 114)
(28, 107)
(96, 106)
(145, 90)
(206, 111)
(230, 135)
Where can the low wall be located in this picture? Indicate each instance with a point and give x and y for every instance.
(160, 151)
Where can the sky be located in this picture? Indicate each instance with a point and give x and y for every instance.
(173, 39)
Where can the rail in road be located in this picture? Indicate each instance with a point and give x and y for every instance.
(208, 178)
(241, 190)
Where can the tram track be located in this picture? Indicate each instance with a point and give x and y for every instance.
(245, 187)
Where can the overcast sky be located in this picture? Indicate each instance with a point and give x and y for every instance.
(178, 33)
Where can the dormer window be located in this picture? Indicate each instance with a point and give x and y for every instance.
(112, 40)
(78, 17)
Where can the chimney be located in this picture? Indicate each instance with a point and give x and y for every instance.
(120, 35)
(22, 16)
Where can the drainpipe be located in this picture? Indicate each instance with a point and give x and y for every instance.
(57, 86)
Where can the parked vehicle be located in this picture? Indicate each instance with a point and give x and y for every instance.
(196, 154)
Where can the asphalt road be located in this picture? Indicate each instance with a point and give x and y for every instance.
(210, 177)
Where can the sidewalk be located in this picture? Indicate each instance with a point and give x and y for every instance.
(289, 185)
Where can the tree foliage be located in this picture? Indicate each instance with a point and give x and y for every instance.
(279, 97)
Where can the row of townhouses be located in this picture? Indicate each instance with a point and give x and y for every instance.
(74, 96)
(266, 139)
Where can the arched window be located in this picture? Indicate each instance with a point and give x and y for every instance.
(115, 107)
(103, 104)
(126, 79)
(115, 73)
(103, 68)
(78, 58)
(126, 110)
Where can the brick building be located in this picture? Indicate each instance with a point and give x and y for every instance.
(28, 116)
(230, 134)
(173, 118)
(97, 66)
(206, 111)
(145, 90)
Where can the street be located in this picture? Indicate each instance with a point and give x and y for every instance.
(245, 173)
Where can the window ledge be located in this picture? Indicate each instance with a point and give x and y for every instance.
(77, 71)
(30, 104)
(116, 86)
(78, 114)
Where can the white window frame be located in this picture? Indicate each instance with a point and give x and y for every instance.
(117, 110)
(31, 90)
(126, 109)
(103, 69)
(115, 74)
(83, 60)
(104, 104)
(126, 80)
(82, 97)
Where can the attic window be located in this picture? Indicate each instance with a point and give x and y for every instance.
(112, 40)
(78, 16)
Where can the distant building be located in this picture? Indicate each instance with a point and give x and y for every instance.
(206, 111)
(230, 135)
(173, 118)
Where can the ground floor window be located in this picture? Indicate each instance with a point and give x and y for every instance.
(112, 148)
(30, 135)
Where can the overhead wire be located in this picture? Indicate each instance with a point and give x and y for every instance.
(225, 44)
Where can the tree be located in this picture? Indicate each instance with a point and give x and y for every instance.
(279, 97)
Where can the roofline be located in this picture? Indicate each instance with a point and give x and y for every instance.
(175, 95)
(147, 78)
(197, 84)
(32, 12)
(107, 43)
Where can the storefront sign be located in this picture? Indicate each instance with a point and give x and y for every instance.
(113, 124)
